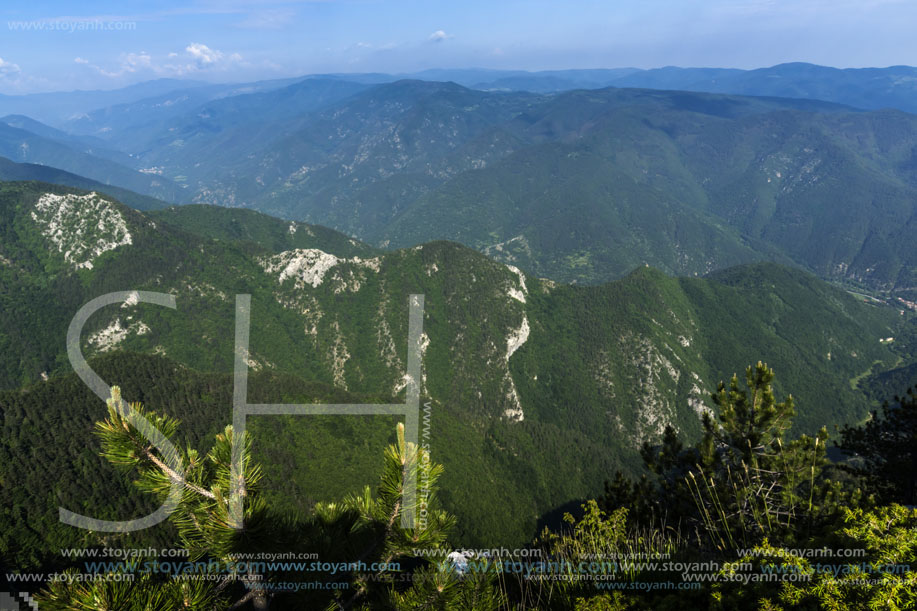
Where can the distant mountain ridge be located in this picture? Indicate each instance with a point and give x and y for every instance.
(579, 186)
(687, 182)
(23, 146)
(12, 171)
(867, 88)
(62, 106)
(684, 181)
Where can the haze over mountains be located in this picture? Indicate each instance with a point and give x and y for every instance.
(705, 220)
(577, 185)
(869, 88)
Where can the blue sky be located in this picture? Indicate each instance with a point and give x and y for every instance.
(59, 45)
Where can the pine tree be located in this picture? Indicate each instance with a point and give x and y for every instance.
(750, 421)
(660, 501)
(387, 565)
(884, 451)
(742, 481)
(750, 483)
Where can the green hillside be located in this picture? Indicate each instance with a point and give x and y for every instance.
(537, 391)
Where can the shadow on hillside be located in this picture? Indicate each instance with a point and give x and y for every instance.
(554, 518)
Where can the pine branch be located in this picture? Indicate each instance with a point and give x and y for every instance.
(175, 477)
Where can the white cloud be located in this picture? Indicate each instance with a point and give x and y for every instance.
(128, 63)
(204, 54)
(16, 81)
(8, 68)
(439, 36)
(195, 58)
(137, 61)
(198, 57)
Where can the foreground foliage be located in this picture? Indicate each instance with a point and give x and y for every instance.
(744, 519)
(361, 537)
(885, 450)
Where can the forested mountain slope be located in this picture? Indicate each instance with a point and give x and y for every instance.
(580, 185)
(537, 391)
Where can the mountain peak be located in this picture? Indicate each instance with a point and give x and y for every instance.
(80, 227)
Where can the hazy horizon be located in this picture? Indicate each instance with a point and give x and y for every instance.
(206, 81)
(108, 45)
